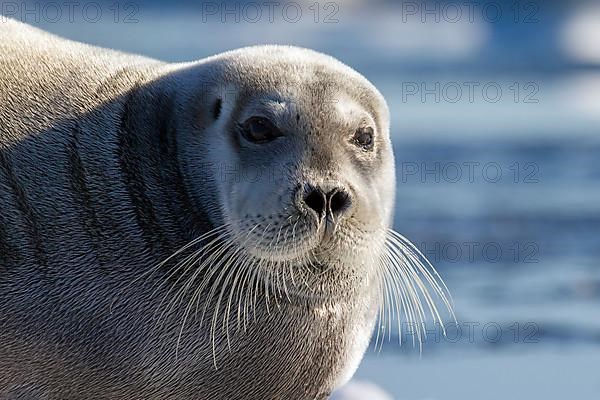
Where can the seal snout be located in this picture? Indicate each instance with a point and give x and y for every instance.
(329, 206)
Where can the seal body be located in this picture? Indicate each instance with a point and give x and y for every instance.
(110, 163)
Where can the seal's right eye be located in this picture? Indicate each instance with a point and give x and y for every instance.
(259, 130)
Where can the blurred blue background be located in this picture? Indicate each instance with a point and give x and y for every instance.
(495, 122)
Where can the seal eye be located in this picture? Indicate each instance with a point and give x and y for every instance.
(363, 137)
(259, 130)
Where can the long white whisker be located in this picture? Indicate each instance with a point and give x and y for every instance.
(401, 267)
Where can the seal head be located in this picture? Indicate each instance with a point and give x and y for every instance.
(300, 165)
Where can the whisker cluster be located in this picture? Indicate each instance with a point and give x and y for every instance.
(216, 280)
(216, 275)
(408, 282)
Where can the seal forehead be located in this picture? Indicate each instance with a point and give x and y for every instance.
(345, 105)
(282, 68)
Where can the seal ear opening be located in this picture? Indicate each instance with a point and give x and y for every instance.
(216, 110)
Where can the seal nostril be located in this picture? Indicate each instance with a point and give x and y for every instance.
(315, 199)
(339, 202)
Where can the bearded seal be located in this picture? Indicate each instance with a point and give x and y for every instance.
(216, 229)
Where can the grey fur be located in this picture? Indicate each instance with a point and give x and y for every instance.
(103, 175)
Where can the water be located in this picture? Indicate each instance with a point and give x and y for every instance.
(501, 194)
(520, 255)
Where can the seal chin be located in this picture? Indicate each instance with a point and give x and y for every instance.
(303, 242)
(319, 262)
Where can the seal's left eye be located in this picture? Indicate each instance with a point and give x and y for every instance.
(259, 130)
(363, 137)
